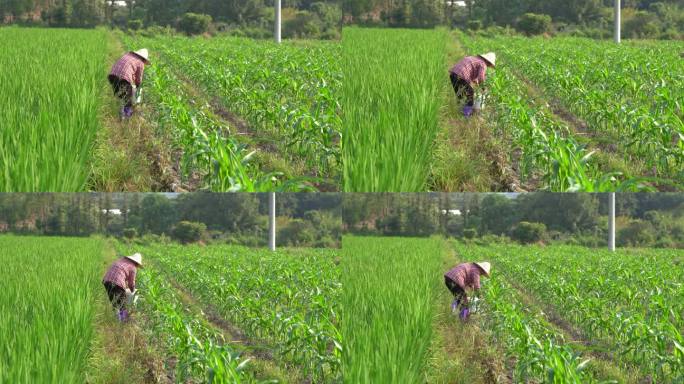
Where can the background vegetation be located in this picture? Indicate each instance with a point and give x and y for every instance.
(302, 219)
(645, 220)
(301, 18)
(592, 18)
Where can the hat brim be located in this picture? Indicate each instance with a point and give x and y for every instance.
(136, 263)
(141, 58)
(488, 62)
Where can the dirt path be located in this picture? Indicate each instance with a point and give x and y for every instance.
(133, 155)
(264, 364)
(462, 353)
(469, 156)
(120, 353)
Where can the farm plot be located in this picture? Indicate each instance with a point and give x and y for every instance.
(586, 112)
(47, 307)
(391, 96)
(282, 302)
(554, 314)
(629, 303)
(49, 105)
(277, 103)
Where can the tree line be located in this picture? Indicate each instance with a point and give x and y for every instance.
(299, 16)
(644, 219)
(642, 18)
(303, 219)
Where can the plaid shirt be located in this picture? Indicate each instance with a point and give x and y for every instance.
(122, 273)
(465, 275)
(471, 69)
(130, 67)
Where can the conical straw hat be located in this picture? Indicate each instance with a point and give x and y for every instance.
(144, 54)
(486, 267)
(490, 57)
(136, 258)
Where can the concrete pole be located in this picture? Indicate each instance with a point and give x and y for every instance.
(611, 221)
(617, 21)
(271, 222)
(277, 21)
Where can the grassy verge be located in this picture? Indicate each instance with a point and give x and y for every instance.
(469, 155)
(120, 353)
(133, 155)
(461, 353)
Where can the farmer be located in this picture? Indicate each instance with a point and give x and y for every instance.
(126, 75)
(468, 73)
(119, 281)
(465, 277)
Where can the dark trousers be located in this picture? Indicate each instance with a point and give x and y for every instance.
(116, 294)
(454, 288)
(462, 87)
(122, 89)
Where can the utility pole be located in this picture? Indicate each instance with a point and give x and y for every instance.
(611, 221)
(271, 221)
(617, 21)
(277, 21)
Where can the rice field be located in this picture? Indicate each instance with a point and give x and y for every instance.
(47, 308)
(390, 97)
(387, 307)
(49, 105)
(552, 119)
(556, 314)
(219, 314)
(264, 118)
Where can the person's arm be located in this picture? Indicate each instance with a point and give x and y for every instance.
(139, 74)
(131, 279)
(480, 74)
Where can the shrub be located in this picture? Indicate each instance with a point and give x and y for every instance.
(303, 24)
(157, 30)
(643, 25)
(130, 233)
(188, 232)
(638, 233)
(135, 24)
(194, 24)
(534, 24)
(474, 25)
(526, 232)
(469, 233)
(297, 232)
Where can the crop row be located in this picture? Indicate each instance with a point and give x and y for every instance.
(207, 143)
(284, 299)
(201, 353)
(548, 145)
(630, 94)
(633, 302)
(289, 88)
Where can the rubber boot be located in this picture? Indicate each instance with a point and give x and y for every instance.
(467, 110)
(454, 305)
